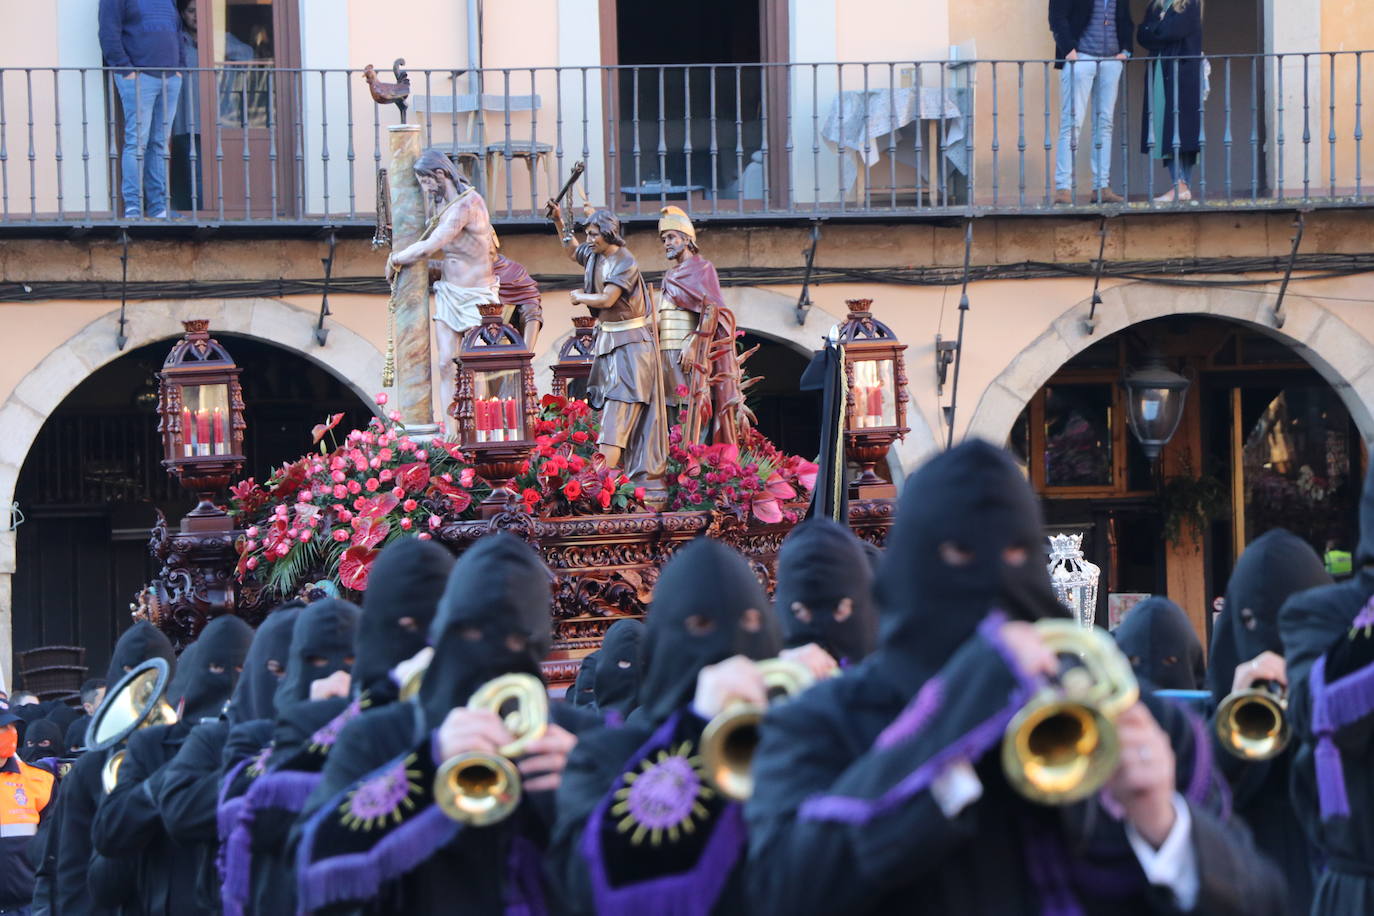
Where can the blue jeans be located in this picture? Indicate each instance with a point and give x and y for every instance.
(1098, 78)
(149, 103)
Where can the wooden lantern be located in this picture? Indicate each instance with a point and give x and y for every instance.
(876, 396)
(575, 359)
(495, 402)
(200, 410)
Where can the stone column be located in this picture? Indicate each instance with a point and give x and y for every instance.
(411, 293)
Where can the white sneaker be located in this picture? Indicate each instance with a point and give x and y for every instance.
(1178, 193)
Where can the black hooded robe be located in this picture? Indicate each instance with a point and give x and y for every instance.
(583, 690)
(128, 825)
(639, 828)
(1162, 646)
(264, 793)
(372, 840)
(189, 798)
(619, 670)
(821, 565)
(1325, 631)
(72, 858)
(1273, 567)
(843, 817)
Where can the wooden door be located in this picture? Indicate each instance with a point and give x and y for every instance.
(249, 107)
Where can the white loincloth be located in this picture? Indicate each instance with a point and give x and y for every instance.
(456, 306)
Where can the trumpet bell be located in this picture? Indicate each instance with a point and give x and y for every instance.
(1253, 724)
(1062, 745)
(729, 740)
(1059, 752)
(137, 701)
(478, 788)
(109, 773)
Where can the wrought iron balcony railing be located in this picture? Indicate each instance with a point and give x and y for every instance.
(262, 145)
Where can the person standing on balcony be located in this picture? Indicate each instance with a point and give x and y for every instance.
(143, 36)
(1171, 120)
(188, 189)
(1093, 38)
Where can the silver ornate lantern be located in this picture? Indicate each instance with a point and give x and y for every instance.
(1073, 578)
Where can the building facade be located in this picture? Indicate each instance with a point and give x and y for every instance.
(870, 140)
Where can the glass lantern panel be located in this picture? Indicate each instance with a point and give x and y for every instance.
(1078, 436)
(206, 424)
(875, 402)
(497, 406)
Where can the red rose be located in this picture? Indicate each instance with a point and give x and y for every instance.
(409, 505)
(579, 436)
(639, 493)
(531, 497)
(604, 497)
(572, 489)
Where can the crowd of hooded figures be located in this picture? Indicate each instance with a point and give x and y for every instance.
(304, 773)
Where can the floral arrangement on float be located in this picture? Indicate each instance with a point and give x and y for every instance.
(328, 515)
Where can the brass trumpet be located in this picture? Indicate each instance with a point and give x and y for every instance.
(1252, 724)
(109, 773)
(477, 788)
(730, 739)
(1062, 745)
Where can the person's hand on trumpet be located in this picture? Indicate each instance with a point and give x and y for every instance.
(1267, 666)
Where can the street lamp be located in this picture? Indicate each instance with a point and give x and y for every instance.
(200, 410)
(875, 403)
(1073, 578)
(575, 358)
(1155, 395)
(495, 402)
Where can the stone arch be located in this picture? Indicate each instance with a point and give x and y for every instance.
(1339, 353)
(347, 356)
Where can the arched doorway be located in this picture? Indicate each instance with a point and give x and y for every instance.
(1265, 441)
(788, 416)
(92, 481)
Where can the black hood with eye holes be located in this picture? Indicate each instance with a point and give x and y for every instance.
(974, 500)
(583, 690)
(257, 687)
(136, 645)
(210, 667)
(406, 581)
(1273, 566)
(821, 563)
(619, 668)
(498, 591)
(324, 630)
(1163, 648)
(700, 616)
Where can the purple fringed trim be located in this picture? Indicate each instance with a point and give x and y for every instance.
(913, 719)
(990, 630)
(1335, 706)
(690, 893)
(524, 879)
(1049, 873)
(235, 845)
(287, 789)
(360, 875)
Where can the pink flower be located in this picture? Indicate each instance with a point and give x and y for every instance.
(375, 463)
(354, 487)
(338, 476)
(340, 491)
(423, 535)
(409, 505)
(354, 567)
(386, 474)
(306, 535)
(405, 524)
(394, 416)
(293, 532)
(385, 454)
(253, 531)
(345, 515)
(434, 522)
(399, 493)
(381, 399)
(283, 549)
(421, 455)
(465, 478)
(252, 563)
(249, 545)
(407, 445)
(372, 485)
(340, 535)
(304, 496)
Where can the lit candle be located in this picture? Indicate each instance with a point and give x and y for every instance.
(188, 433)
(217, 430)
(511, 432)
(203, 431)
(483, 420)
(875, 405)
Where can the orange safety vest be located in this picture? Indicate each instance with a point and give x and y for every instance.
(24, 793)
